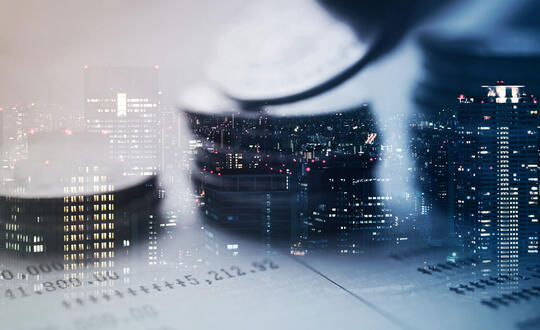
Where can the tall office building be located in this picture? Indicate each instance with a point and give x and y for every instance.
(67, 199)
(343, 210)
(14, 134)
(496, 177)
(311, 178)
(432, 143)
(123, 104)
(258, 204)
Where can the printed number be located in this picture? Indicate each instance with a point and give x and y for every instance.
(49, 286)
(57, 266)
(238, 271)
(6, 274)
(217, 277)
(62, 284)
(191, 280)
(112, 275)
(226, 273)
(32, 270)
(259, 266)
(99, 277)
(75, 282)
(45, 268)
(22, 291)
(9, 294)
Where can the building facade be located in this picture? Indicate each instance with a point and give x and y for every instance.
(123, 104)
(496, 177)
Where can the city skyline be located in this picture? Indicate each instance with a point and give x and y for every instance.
(266, 149)
(307, 164)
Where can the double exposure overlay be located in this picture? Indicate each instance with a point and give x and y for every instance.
(277, 164)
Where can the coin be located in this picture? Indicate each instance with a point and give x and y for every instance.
(282, 48)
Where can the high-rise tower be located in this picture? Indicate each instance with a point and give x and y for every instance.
(496, 177)
(122, 103)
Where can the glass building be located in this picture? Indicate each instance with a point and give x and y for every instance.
(122, 103)
(496, 177)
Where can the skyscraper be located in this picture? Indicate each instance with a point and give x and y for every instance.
(496, 177)
(122, 103)
(344, 211)
(68, 199)
(310, 177)
(432, 149)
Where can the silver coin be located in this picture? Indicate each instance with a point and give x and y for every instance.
(276, 49)
(63, 164)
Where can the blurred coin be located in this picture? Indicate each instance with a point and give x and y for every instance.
(279, 49)
(63, 164)
(458, 64)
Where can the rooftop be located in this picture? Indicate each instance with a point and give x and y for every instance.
(500, 93)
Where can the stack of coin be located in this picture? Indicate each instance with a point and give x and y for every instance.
(283, 113)
(69, 198)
